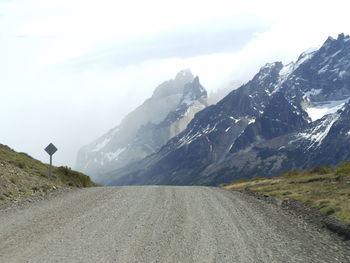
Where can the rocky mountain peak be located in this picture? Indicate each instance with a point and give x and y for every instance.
(329, 40)
(143, 131)
(335, 43)
(269, 68)
(343, 37)
(193, 91)
(184, 75)
(268, 75)
(332, 44)
(174, 86)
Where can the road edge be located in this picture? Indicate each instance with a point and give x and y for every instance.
(20, 203)
(308, 214)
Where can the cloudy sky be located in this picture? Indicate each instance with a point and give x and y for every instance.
(71, 69)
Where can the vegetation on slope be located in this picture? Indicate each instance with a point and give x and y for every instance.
(22, 176)
(324, 188)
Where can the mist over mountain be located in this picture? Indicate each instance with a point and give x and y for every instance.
(217, 95)
(288, 116)
(143, 131)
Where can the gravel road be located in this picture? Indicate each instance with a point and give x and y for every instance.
(160, 224)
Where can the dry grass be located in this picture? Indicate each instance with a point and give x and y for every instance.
(22, 176)
(326, 189)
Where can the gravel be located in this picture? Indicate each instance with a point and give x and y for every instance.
(309, 214)
(161, 224)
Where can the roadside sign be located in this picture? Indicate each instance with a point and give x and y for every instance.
(50, 149)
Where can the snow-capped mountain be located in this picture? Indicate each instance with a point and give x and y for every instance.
(142, 132)
(287, 116)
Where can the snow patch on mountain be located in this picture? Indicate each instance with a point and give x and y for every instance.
(188, 100)
(251, 121)
(312, 92)
(113, 155)
(319, 132)
(343, 74)
(101, 145)
(305, 57)
(266, 70)
(234, 119)
(319, 110)
(288, 69)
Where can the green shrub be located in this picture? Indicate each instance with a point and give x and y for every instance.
(74, 178)
(291, 173)
(239, 181)
(343, 169)
(324, 169)
(65, 170)
(256, 178)
(328, 211)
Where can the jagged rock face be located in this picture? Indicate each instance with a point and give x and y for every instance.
(279, 118)
(167, 113)
(336, 144)
(286, 117)
(321, 75)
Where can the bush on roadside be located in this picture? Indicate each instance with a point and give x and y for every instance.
(324, 169)
(343, 169)
(239, 181)
(291, 173)
(73, 178)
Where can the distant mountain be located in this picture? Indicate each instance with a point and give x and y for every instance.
(286, 117)
(215, 96)
(142, 132)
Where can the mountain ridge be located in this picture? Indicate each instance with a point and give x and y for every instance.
(199, 154)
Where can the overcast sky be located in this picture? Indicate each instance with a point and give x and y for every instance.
(71, 69)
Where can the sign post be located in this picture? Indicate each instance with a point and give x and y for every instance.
(50, 149)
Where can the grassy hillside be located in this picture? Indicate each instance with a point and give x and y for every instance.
(324, 188)
(22, 176)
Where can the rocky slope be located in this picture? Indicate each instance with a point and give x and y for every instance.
(287, 116)
(161, 117)
(21, 177)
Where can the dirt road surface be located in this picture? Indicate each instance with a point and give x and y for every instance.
(160, 224)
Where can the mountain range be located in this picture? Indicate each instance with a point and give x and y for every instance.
(147, 128)
(286, 117)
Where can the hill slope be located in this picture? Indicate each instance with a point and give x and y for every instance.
(324, 188)
(22, 176)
